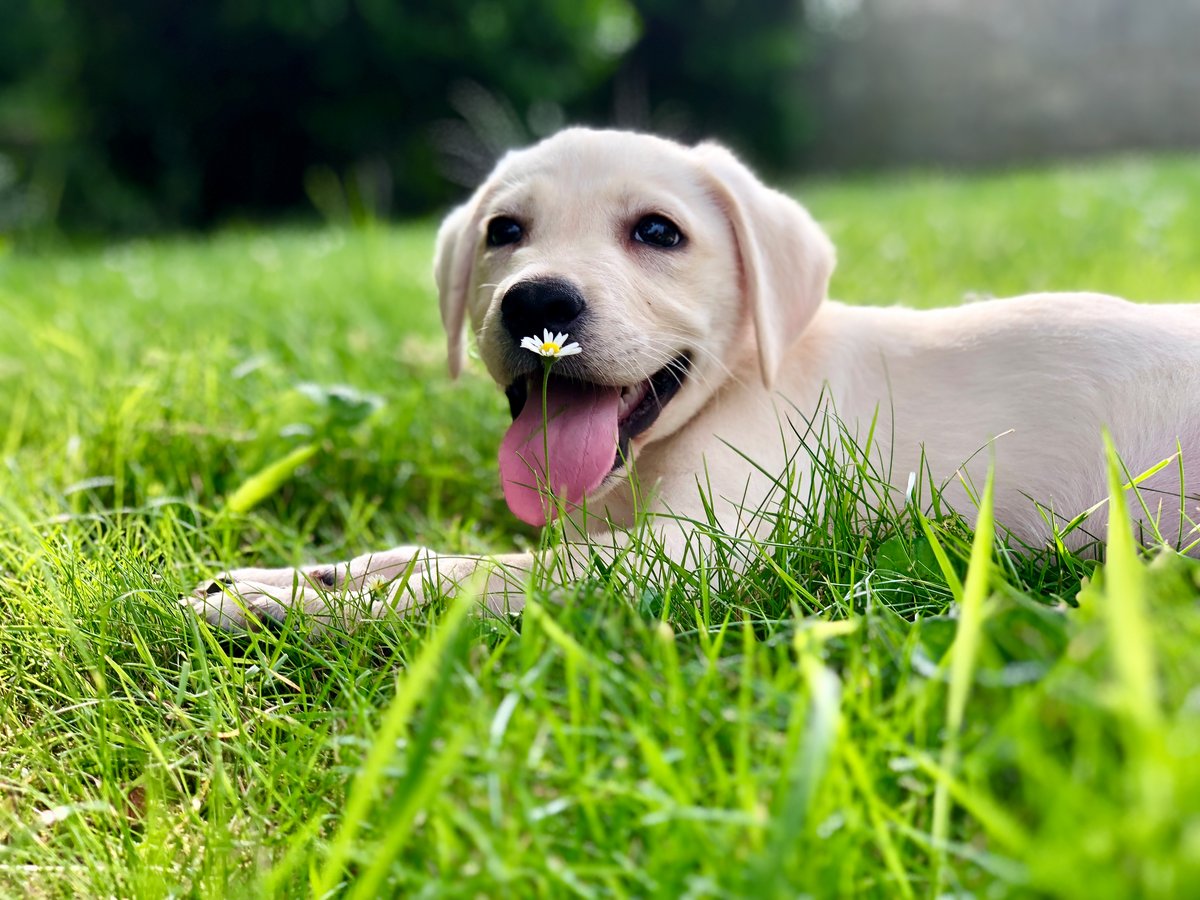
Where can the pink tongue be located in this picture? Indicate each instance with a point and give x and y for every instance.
(581, 437)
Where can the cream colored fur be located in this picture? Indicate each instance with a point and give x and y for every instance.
(1027, 384)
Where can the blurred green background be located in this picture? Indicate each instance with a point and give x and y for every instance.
(132, 116)
(141, 114)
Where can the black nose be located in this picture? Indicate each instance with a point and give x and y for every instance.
(530, 307)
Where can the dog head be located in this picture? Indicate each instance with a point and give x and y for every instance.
(672, 267)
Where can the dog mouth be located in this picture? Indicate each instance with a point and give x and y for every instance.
(569, 434)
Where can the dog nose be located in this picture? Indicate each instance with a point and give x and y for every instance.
(529, 307)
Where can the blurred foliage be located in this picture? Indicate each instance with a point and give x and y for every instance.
(137, 114)
(724, 68)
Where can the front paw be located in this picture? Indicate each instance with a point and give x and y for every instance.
(318, 577)
(235, 605)
(372, 586)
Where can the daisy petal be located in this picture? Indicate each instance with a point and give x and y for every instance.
(551, 345)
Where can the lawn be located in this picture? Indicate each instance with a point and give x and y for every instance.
(892, 708)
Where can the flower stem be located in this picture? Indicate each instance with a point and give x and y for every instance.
(547, 365)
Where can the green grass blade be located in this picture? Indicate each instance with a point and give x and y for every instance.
(267, 480)
(967, 639)
(1125, 610)
(414, 685)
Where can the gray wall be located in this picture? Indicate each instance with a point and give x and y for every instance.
(996, 81)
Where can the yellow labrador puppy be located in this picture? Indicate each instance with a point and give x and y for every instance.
(697, 299)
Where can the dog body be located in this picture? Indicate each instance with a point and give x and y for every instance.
(1026, 385)
(709, 356)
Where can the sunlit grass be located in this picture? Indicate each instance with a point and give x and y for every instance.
(888, 705)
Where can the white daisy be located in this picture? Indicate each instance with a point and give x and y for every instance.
(551, 344)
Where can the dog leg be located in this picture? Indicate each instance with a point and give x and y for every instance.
(371, 586)
(346, 592)
(377, 585)
(353, 575)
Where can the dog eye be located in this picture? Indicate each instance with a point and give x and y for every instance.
(657, 230)
(502, 231)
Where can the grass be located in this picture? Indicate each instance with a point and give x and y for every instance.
(894, 706)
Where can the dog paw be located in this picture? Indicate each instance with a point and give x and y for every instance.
(242, 605)
(372, 586)
(320, 577)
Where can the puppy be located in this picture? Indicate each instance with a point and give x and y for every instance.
(697, 298)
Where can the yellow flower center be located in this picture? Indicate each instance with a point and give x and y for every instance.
(551, 347)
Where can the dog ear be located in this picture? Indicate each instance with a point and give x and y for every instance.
(786, 258)
(453, 262)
